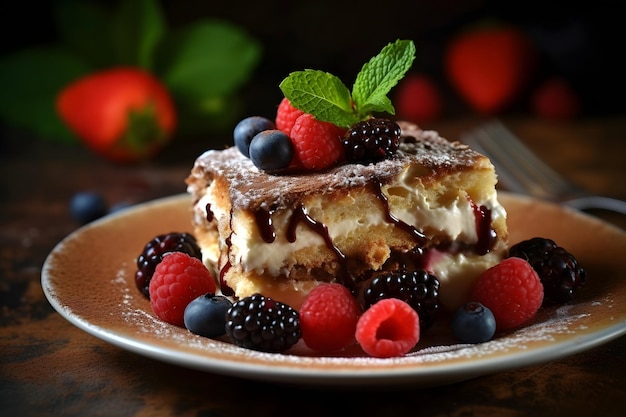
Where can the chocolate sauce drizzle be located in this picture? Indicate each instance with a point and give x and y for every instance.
(486, 233)
(209, 213)
(263, 218)
(300, 215)
(264, 224)
(419, 237)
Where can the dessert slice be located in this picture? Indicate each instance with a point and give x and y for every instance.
(432, 205)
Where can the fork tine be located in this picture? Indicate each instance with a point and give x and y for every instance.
(476, 140)
(518, 168)
(537, 167)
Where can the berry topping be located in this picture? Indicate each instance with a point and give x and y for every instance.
(286, 116)
(328, 318)
(87, 206)
(177, 280)
(473, 323)
(261, 323)
(153, 253)
(271, 150)
(317, 144)
(247, 129)
(558, 269)
(206, 315)
(328, 99)
(511, 290)
(417, 288)
(389, 328)
(371, 140)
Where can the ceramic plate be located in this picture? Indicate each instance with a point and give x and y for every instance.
(88, 279)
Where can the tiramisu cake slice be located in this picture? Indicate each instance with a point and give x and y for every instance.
(432, 205)
(340, 202)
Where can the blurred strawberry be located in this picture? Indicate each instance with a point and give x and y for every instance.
(489, 66)
(124, 114)
(418, 99)
(555, 99)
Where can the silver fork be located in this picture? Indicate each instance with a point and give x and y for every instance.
(521, 171)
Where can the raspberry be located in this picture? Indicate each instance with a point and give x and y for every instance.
(418, 288)
(511, 290)
(317, 144)
(177, 280)
(558, 269)
(371, 140)
(286, 116)
(153, 252)
(389, 328)
(328, 318)
(261, 323)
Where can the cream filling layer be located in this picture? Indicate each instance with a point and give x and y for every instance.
(456, 219)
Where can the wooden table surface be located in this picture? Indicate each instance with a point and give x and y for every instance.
(48, 367)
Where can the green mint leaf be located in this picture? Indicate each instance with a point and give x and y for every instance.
(321, 94)
(380, 75)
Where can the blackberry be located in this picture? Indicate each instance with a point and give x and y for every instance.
(261, 323)
(558, 269)
(417, 288)
(153, 253)
(371, 140)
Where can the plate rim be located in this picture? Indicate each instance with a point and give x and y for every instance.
(434, 374)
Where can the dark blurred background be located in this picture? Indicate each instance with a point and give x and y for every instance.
(581, 43)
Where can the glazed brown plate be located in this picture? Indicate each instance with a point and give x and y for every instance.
(112, 309)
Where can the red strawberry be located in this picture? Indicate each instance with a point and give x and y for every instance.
(489, 66)
(328, 318)
(418, 99)
(124, 114)
(286, 116)
(178, 279)
(512, 291)
(555, 99)
(391, 327)
(317, 144)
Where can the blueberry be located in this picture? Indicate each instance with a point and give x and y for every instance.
(271, 150)
(247, 129)
(87, 206)
(206, 315)
(473, 323)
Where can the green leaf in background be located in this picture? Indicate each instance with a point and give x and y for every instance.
(85, 28)
(208, 58)
(137, 27)
(203, 64)
(30, 80)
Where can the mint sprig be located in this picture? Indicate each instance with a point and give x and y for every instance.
(328, 99)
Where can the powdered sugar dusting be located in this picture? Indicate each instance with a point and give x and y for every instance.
(560, 322)
(251, 188)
